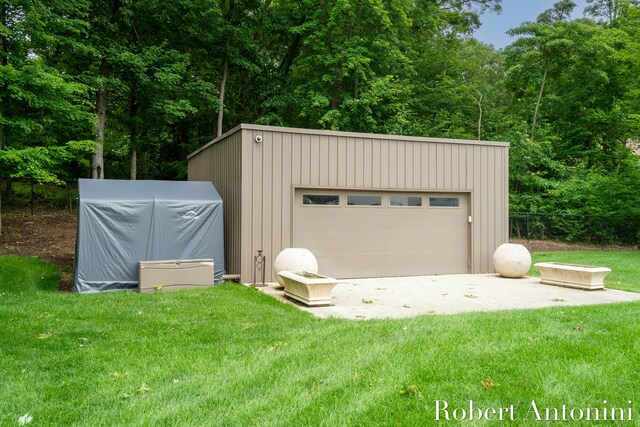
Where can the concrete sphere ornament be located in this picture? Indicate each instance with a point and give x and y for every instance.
(295, 260)
(511, 260)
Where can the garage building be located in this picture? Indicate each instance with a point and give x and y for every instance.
(366, 205)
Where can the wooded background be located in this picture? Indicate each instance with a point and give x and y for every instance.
(126, 89)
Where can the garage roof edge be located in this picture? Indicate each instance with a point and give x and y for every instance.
(348, 134)
(219, 138)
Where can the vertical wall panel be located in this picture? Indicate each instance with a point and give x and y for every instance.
(256, 206)
(222, 166)
(486, 217)
(417, 165)
(314, 160)
(367, 160)
(433, 166)
(288, 159)
(351, 161)
(393, 165)
(342, 163)
(478, 235)
(276, 183)
(376, 163)
(401, 164)
(455, 166)
(359, 160)
(491, 194)
(333, 161)
(424, 166)
(269, 194)
(469, 167)
(385, 172)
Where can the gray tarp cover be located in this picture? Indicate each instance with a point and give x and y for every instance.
(123, 222)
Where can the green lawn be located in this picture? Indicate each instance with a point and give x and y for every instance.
(624, 265)
(231, 356)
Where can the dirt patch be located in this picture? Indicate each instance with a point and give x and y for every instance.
(49, 235)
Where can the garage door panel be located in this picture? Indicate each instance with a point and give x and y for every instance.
(348, 221)
(365, 241)
(366, 222)
(340, 244)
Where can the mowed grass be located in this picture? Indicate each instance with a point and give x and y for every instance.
(624, 265)
(231, 356)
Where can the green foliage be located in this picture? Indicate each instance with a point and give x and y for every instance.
(351, 72)
(565, 94)
(44, 195)
(43, 110)
(533, 173)
(45, 165)
(576, 76)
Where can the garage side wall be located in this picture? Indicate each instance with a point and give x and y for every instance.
(220, 162)
(286, 160)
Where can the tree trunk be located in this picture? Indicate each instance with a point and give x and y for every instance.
(223, 83)
(479, 102)
(97, 159)
(3, 20)
(133, 133)
(535, 113)
(134, 165)
(8, 191)
(337, 86)
(356, 85)
(31, 199)
(70, 198)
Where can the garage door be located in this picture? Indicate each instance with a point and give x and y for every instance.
(379, 234)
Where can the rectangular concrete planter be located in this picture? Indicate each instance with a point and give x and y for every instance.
(311, 289)
(572, 276)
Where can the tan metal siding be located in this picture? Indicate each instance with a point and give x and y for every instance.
(262, 178)
(220, 163)
(286, 160)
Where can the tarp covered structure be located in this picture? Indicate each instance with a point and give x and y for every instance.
(123, 222)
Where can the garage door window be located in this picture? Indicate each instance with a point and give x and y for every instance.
(320, 199)
(404, 201)
(364, 200)
(444, 202)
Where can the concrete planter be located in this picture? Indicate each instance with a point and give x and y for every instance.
(572, 276)
(511, 260)
(294, 259)
(311, 289)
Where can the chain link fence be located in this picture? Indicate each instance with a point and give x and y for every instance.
(600, 230)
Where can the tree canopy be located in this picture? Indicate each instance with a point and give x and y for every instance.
(139, 85)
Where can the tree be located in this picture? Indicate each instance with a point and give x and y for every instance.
(351, 72)
(610, 10)
(39, 105)
(222, 37)
(545, 42)
(108, 19)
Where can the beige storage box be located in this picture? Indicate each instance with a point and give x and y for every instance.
(170, 275)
